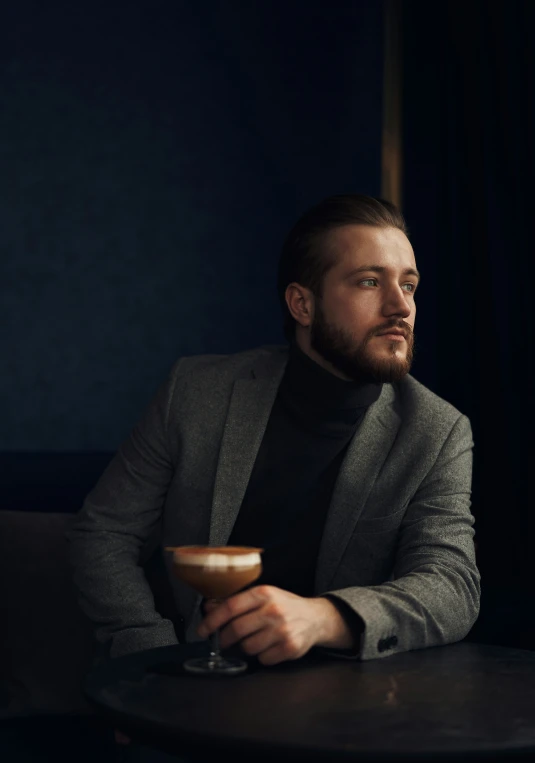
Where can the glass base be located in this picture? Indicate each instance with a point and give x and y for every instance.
(212, 665)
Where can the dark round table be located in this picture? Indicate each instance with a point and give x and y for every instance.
(457, 702)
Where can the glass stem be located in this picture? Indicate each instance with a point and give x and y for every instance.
(215, 649)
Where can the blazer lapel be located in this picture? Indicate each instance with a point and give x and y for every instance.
(363, 461)
(250, 407)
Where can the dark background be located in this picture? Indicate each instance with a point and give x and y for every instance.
(152, 158)
(154, 155)
(469, 197)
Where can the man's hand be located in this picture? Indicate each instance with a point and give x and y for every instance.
(276, 625)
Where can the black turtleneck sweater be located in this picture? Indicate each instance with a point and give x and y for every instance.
(313, 419)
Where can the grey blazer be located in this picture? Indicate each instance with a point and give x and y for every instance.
(398, 541)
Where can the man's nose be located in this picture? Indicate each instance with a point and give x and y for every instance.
(397, 303)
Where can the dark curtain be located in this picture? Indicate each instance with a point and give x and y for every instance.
(468, 196)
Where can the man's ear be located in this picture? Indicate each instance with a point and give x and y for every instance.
(300, 302)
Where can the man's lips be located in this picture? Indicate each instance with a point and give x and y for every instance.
(395, 334)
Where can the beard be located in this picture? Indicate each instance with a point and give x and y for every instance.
(357, 360)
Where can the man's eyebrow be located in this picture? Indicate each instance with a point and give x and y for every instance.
(380, 269)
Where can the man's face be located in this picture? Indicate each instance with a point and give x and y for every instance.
(369, 290)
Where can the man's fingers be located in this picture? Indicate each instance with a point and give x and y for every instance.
(241, 628)
(279, 652)
(233, 607)
(210, 604)
(259, 642)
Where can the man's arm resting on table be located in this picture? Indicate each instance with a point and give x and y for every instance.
(432, 597)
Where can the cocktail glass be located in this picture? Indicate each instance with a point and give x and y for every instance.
(216, 572)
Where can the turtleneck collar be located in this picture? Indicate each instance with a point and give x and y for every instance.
(319, 399)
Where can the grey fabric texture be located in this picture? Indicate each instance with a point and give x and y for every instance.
(398, 540)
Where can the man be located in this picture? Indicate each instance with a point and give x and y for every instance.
(352, 476)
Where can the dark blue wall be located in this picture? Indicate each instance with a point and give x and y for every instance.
(152, 158)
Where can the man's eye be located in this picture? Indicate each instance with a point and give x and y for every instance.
(373, 281)
(412, 287)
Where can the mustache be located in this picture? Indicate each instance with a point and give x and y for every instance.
(399, 324)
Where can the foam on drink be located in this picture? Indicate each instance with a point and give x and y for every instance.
(216, 556)
(216, 572)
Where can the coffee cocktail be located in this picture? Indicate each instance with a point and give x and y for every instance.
(216, 572)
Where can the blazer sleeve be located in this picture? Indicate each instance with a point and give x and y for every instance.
(433, 595)
(117, 518)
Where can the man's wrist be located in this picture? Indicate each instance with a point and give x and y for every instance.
(335, 631)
